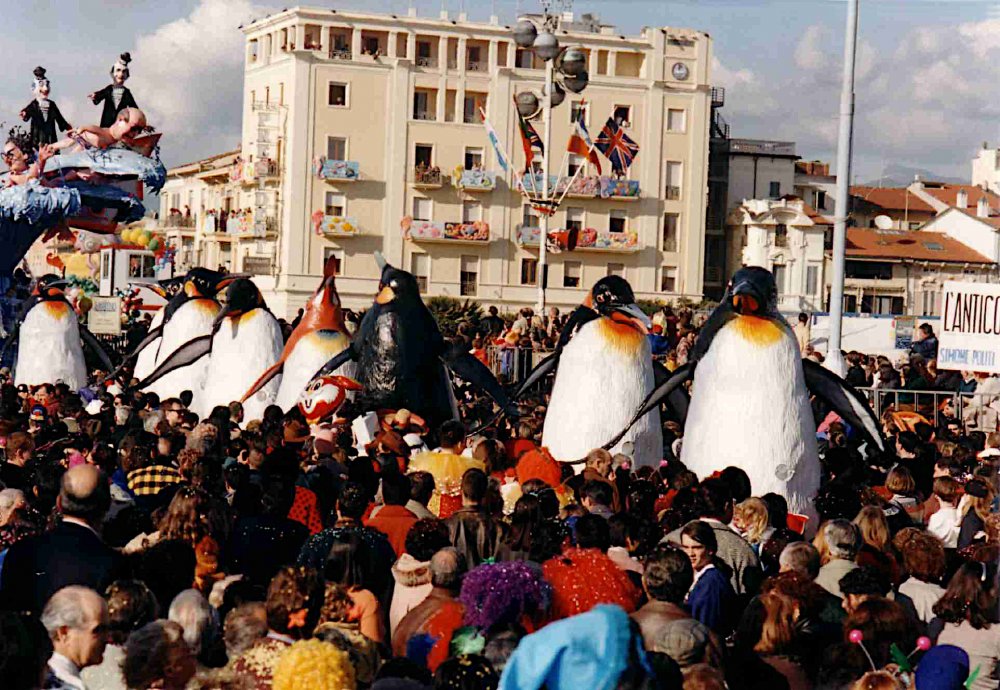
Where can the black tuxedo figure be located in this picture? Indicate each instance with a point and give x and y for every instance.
(110, 112)
(43, 130)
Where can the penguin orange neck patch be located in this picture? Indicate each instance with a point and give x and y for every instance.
(757, 330)
(622, 336)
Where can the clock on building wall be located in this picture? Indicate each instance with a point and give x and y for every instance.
(680, 71)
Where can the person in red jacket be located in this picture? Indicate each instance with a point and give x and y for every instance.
(393, 519)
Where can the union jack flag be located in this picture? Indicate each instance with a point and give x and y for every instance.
(616, 147)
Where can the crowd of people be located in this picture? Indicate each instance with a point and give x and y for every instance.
(143, 547)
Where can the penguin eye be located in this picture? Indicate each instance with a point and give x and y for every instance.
(393, 284)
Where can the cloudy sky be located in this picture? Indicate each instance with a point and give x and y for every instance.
(927, 89)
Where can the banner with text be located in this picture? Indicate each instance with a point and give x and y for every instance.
(105, 317)
(970, 327)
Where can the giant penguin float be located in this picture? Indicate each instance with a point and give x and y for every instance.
(320, 336)
(189, 314)
(603, 372)
(49, 339)
(750, 400)
(403, 360)
(245, 339)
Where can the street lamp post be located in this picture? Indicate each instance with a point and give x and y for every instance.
(545, 45)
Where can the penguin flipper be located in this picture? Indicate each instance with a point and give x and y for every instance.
(341, 358)
(91, 341)
(843, 399)
(470, 369)
(543, 368)
(663, 391)
(677, 399)
(271, 372)
(187, 354)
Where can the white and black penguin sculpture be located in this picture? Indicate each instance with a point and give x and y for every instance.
(750, 401)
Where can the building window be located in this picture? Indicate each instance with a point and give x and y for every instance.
(524, 58)
(668, 279)
(424, 107)
(423, 155)
(338, 259)
(575, 162)
(336, 148)
(774, 189)
(868, 270)
(337, 96)
(529, 271)
(421, 209)
(571, 274)
(420, 267)
(670, 229)
(812, 280)
(820, 200)
(779, 272)
(930, 303)
(529, 217)
(616, 270)
(676, 120)
(574, 218)
(470, 275)
(473, 158)
(617, 221)
(475, 54)
(472, 106)
(336, 204)
(780, 235)
(472, 211)
(370, 46)
(623, 115)
(673, 178)
(577, 107)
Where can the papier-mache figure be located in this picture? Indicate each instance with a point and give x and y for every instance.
(129, 125)
(19, 155)
(43, 113)
(115, 96)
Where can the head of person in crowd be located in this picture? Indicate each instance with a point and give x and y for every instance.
(314, 664)
(860, 585)
(597, 496)
(800, 557)
(131, 605)
(199, 621)
(667, 575)
(452, 437)
(244, 625)
(699, 543)
(599, 461)
(923, 554)
(971, 596)
(156, 656)
(426, 537)
(76, 619)
(447, 568)
(717, 500)
(841, 540)
(475, 484)
(84, 495)
(25, 651)
(592, 532)
(294, 599)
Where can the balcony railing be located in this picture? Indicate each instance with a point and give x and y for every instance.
(588, 239)
(424, 115)
(427, 177)
(177, 220)
(718, 96)
(452, 64)
(340, 54)
(429, 62)
(340, 171)
(672, 193)
(439, 231)
(475, 180)
(336, 226)
(476, 66)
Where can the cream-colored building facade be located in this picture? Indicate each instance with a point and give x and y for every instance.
(362, 133)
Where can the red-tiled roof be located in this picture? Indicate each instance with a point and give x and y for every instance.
(892, 198)
(868, 243)
(814, 215)
(949, 195)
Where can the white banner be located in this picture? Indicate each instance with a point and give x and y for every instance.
(970, 327)
(104, 318)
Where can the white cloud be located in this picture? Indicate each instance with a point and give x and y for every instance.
(743, 87)
(188, 78)
(809, 53)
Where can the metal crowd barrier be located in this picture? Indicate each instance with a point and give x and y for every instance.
(975, 411)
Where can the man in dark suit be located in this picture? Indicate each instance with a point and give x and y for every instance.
(71, 554)
(115, 96)
(43, 114)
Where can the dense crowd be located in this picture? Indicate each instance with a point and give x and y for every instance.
(143, 547)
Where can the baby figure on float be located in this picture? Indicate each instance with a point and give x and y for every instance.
(126, 129)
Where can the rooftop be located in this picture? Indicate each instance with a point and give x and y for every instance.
(762, 147)
(913, 245)
(219, 160)
(948, 193)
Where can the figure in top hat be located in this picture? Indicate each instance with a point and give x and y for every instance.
(115, 96)
(43, 113)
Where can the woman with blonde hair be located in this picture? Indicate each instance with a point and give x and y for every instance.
(876, 547)
(750, 519)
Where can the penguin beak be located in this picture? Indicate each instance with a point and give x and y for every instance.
(746, 299)
(636, 316)
(227, 312)
(385, 295)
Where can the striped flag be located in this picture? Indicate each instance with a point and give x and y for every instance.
(491, 134)
(616, 147)
(530, 140)
(580, 143)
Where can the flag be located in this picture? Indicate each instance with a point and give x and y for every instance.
(580, 143)
(616, 147)
(491, 134)
(530, 140)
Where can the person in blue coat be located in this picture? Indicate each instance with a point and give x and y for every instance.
(711, 599)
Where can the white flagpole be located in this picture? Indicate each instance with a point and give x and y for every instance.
(575, 175)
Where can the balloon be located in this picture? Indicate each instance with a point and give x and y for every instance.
(85, 304)
(142, 240)
(154, 244)
(856, 636)
(126, 236)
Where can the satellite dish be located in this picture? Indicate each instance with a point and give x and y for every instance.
(883, 222)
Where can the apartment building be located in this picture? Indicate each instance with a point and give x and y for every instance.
(363, 132)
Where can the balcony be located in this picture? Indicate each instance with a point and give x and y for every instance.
(475, 181)
(583, 187)
(175, 219)
(340, 53)
(427, 178)
(477, 67)
(336, 170)
(335, 226)
(718, 96)
(426, 115)
(477, 233)
(428, 62)
(672, 193)
(251, 173)
(589, 239)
